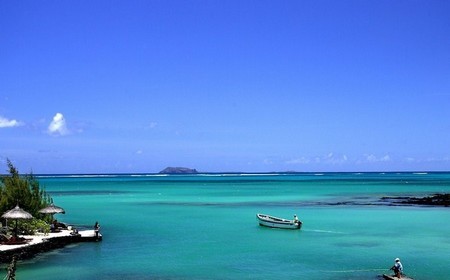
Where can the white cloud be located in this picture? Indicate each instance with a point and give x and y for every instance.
(4, 122)
(58, 125)
(331, 158)
(301, 160)
(410, 159)
(152, 125)
(373, 158)
(385, 158)
(432, 159)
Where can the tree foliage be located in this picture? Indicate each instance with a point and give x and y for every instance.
(21, 190)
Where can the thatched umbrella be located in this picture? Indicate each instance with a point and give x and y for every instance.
(52, 209)
(17, 213)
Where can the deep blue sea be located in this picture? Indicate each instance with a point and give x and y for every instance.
(204, 227)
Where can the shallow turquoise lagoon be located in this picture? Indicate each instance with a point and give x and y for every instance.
(204, 227)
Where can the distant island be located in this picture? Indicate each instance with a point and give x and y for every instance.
(178, 170)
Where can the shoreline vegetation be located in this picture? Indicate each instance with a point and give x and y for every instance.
(22, 199)
(178, 170)
(31, 229)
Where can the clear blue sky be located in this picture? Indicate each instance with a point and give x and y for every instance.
(254, 86)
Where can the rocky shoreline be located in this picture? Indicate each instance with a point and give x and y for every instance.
(39, 244)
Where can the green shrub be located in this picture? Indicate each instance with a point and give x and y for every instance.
(31, 227)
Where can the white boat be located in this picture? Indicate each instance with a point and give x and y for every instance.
(274, 222)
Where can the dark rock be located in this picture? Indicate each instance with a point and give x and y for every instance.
(433, 200)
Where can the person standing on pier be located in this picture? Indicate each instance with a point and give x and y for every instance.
(96, 229)
(397, 268)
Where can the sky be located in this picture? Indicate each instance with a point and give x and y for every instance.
(225, 86)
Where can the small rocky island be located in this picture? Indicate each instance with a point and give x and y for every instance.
(178, 170)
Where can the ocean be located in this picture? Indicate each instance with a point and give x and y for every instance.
(204, 227)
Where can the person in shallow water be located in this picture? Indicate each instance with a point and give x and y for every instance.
(397, 268)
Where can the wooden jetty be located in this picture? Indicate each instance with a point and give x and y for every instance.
(40, 243)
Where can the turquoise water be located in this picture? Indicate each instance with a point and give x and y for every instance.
(204, 227)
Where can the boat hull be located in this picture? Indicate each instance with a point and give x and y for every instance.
(275, 222)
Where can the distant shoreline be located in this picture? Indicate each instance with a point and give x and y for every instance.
(236, 173)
